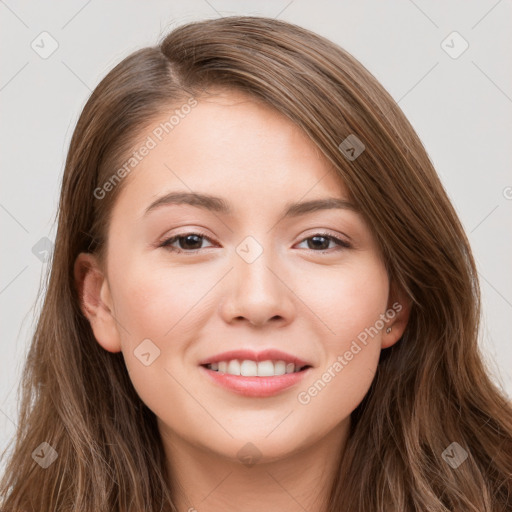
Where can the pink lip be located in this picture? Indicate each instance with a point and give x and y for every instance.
(265, 355)
(255, 386)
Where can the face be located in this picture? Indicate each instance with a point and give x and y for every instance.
(184, 283)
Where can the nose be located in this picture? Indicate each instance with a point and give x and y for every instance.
(258, 293)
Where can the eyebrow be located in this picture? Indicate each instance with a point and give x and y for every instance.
(219, 205)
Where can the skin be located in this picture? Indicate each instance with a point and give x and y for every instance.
(191, 306)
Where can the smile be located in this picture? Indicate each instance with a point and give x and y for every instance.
(249, 368)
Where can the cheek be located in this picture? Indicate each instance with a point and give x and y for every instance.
(350, 306)
(347, 300)
(151, 301)
(154, 310)
(159, 304)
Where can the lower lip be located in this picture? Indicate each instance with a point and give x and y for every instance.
(256, 386)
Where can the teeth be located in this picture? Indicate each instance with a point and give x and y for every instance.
(248, 368)
(279, 368)
(234, 367)
(266, 369)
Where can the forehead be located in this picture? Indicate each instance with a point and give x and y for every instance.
(233, 146)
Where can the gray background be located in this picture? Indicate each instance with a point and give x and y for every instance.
(461, 108)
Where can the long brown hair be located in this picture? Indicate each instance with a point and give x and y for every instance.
(431, 388)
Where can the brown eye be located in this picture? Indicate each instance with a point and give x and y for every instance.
(319, 242)
(187, 242)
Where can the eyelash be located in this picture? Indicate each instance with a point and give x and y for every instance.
(342, 244)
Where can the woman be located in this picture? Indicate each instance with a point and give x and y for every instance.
(319, 353)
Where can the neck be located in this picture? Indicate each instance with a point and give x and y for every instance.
(206, 481)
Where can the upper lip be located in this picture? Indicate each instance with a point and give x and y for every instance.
(265, 355)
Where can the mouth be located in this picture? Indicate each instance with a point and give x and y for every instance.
(248, 363)
(250, 368)
(255, 374)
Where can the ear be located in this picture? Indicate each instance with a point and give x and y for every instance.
(96, 301)
(398, 311)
